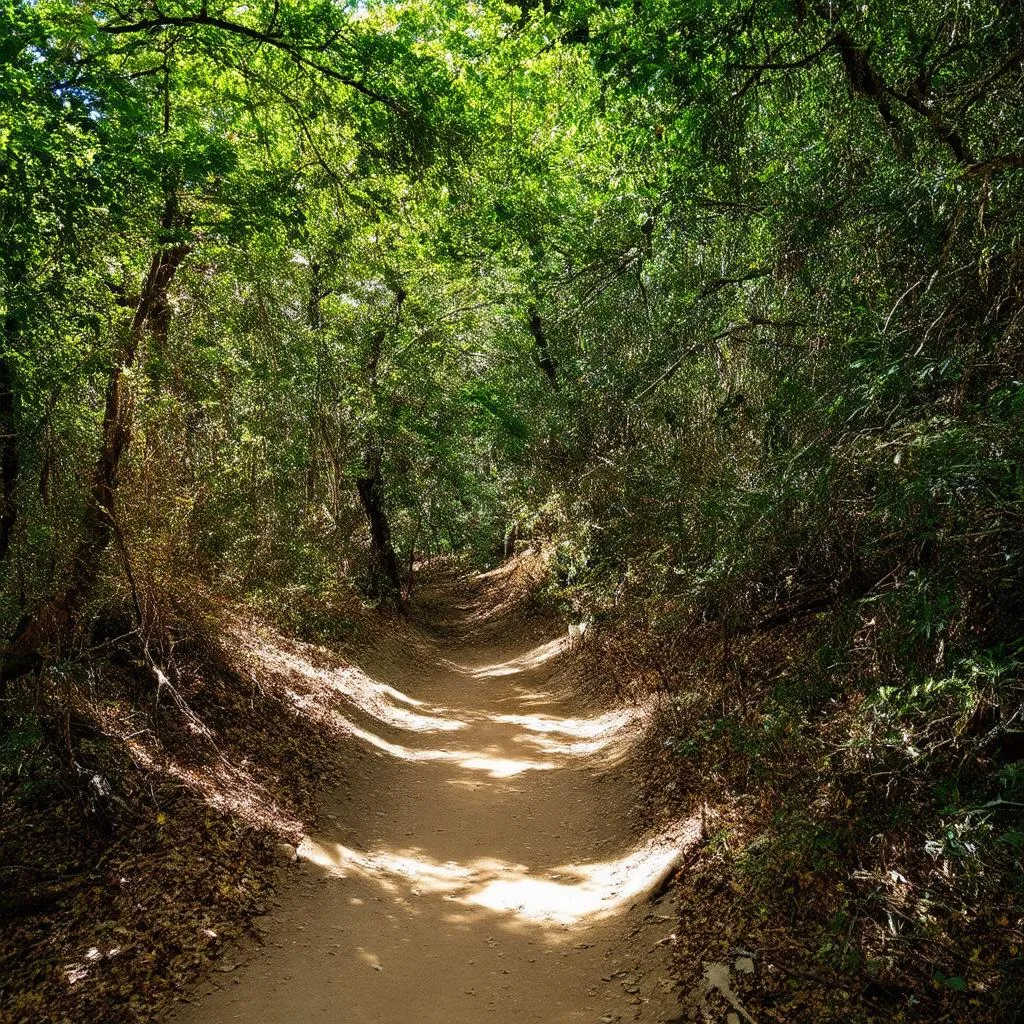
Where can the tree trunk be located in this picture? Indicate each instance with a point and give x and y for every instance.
(385, 576)
(542, 352)
(8, 443)
(54, 621)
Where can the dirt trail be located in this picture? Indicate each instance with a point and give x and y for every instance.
(475, 863)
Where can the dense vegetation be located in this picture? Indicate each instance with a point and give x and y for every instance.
(722, 300)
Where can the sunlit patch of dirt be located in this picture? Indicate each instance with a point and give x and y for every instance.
(358, 690)
(563, 895)
(516, 665)
(612, 734)
(496, 767)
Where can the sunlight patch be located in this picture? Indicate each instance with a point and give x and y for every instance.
(496, 767)
(583, 728)
(532, 659)
(566, 895)
(376, 699)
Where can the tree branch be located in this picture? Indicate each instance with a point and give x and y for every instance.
(865, 79)
(724, 282)
(789, 65)
(997, 164)
(542, 352)
(731, 331)
(269, 38)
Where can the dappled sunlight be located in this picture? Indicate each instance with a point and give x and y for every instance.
(566, 895)
(525, 698)
(589, 891)
(583, 728)
(496, 767)
(574, 737)
(503, 767)
(79, 970)
(386, 868)
(518, 734)
(412, 722)
(513, 666)
(379, 700)
(569, 748)
(226, 787)
(556, 739)
(368, 958)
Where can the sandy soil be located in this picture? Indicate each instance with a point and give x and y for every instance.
(476, 862)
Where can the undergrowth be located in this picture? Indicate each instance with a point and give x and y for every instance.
(863, 828)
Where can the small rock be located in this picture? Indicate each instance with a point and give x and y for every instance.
(286, 853)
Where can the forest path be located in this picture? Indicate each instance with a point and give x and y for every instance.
(477, 864)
